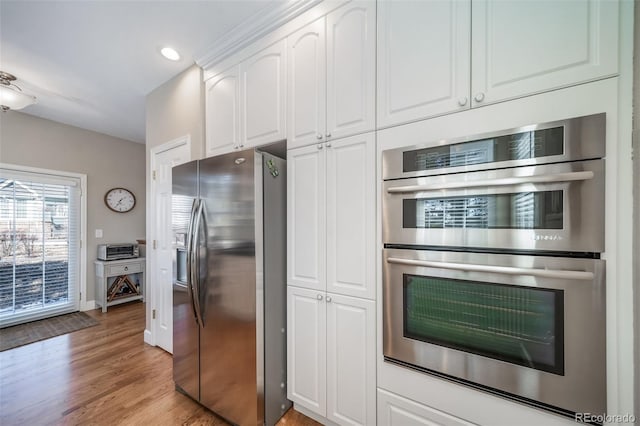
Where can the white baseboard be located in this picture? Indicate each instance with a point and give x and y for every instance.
(148, 338)
(88, 305)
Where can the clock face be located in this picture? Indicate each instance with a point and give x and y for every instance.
(120, 200)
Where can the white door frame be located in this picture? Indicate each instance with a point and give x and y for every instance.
(152, 234)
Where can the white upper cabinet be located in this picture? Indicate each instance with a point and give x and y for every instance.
(306, 85)
(222, 113)
(526, 47)
(262, 97)
(331, 216)
(351, 72)
(331, 78)
(423, 59)
(351, 216)
(437, 57)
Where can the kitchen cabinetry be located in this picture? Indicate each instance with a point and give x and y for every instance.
(394, 410)
(439, 57)
(331, 355)
(331, 77)
(119, 281)
(222, 110)
(245, 105)
(262, 97)
(331, 216)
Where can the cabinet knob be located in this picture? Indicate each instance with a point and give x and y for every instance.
(319, 297)
(126, 268)
(328, 135)
(328, 144)
(241, 145)
(479, 97)
(318, 136)
(462, 101)
(328, 299)
(319, 146)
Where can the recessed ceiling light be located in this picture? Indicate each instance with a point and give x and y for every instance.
(170, 54)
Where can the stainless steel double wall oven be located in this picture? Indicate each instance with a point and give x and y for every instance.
(492, 271)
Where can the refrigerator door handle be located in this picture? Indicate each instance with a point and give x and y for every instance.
(190, 257)
(196, 262)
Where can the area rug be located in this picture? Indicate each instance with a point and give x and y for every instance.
(23, 334)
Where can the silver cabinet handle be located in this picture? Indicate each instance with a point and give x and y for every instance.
(328, 135)
(506, 270)
(516, 180)
(319, 297)
(318, 136)
(328, 144)
(462, 101)
(319, 146)
(479, 97)
(328, 299)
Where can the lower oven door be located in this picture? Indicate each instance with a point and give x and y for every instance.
(530, 326)
(557, 207)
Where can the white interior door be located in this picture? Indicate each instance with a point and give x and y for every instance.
(164, 158)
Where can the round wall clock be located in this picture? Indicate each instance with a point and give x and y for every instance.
(120, 200)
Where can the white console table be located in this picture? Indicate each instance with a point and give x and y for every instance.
(119, 281)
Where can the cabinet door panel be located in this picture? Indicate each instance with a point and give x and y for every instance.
(306, 349)
(351, 344)
(394, 410)
(423, 59)
(306, 78)
(530, 46)
(351, 216)
(306, 221)
(351, 34)
(262, 116)
(222, 113)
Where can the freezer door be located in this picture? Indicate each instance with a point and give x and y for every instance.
(185, 327)
(228, 292)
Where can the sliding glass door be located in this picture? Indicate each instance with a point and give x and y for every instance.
(39, 245)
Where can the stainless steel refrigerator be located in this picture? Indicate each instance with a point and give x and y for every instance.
(229, 289)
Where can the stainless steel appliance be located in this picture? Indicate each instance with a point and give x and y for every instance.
(229, 290)
(118, 251)
(491, 269)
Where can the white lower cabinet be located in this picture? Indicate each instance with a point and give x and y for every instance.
(331, 355)
(394, 410)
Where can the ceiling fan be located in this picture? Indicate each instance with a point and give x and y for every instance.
(12, 96)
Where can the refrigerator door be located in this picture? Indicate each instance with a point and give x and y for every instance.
(185, 327)
(228, 292)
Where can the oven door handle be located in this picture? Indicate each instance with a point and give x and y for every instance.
(507, 270)
(516, 180)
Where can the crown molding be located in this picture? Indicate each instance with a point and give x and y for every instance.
(252, 29)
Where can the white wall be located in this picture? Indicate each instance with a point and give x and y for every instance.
(107, 161)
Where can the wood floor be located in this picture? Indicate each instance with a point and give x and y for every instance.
(103, 375)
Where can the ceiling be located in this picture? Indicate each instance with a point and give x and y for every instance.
(91, 63)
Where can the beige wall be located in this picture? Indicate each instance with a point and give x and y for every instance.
(174, 110)
(107, 161)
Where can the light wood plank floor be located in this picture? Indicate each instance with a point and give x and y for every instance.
(103, 375)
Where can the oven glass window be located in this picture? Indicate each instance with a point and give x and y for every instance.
(519, 146)
(522, 210)
(520, 325)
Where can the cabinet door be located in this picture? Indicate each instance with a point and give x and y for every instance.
(531, 46)
(306, 348)
(423, 59)
(262, 94)
(306, 219)
(306, 78)
(351, 371)
(394, 410)
(222, 113)
(351, 52)
(351, 209)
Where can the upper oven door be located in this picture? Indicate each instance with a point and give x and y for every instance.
(557, 207)
(574, 139)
